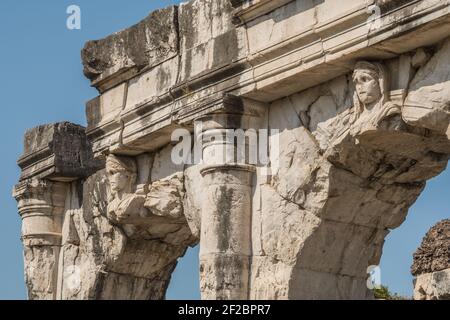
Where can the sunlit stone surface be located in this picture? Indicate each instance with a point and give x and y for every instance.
(355, 112)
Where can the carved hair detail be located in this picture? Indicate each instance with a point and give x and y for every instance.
(115, 164)
(378, 72)
(121, 164)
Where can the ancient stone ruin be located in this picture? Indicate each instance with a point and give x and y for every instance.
(347, 104)
(431, 265)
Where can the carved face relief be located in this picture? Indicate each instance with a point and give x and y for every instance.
(118, 180)
(121, 174)
(367, 87)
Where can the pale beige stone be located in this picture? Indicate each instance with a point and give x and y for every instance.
(432, 286)
(356, 119)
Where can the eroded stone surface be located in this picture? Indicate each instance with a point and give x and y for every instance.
(356, 120)
(432, 286)
(148, 43)
(431, 266)
(57, 151)
(434, 252)
(342, 183)
(117, 260)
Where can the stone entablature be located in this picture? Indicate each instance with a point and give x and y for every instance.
(352, 139)
(297, 56)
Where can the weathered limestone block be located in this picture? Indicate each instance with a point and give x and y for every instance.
(225, 234)
(431, 266)
(130, 240)
(145, 45)
(57, 151)
(41, 206)
(428, 101)
(432, 286)
(194, 198)
(226, 208)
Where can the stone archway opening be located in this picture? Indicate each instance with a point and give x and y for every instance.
(400, 245)
(185, 282)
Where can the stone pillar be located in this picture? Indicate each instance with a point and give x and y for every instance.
(41, 207)
(225, 241)
(55, 156)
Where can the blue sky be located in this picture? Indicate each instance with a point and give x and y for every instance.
(41, 81)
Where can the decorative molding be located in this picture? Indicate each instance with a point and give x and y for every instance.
(247, 10)
(269, 74)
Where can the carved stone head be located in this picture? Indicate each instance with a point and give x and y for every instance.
(371, 85)
(122, 172)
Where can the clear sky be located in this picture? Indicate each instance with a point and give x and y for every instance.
(41, 81)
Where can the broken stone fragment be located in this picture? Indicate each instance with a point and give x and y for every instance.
(57, 151)
(428, 102)
(146, 44)
(431, 265)
(165, 198)
(434, 251)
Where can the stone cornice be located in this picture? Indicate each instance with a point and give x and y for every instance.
(247, 10)
(37, 195)
(274, 71)
(158, 41)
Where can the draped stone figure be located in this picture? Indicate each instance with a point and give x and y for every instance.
(124, 204)
(371, 99)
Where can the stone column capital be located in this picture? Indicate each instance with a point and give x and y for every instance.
(54, 154)
(41, 206)
(231, 112)
(42, 190)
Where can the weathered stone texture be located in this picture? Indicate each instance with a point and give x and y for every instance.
(432, 286)
(356, 118)
(434, 252)
(427, 102)
(118, 261)
(57, 151)
(145, 45)
(339, 190)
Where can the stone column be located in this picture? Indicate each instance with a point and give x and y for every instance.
(55, 156)
(225, 241)
(41, 207)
